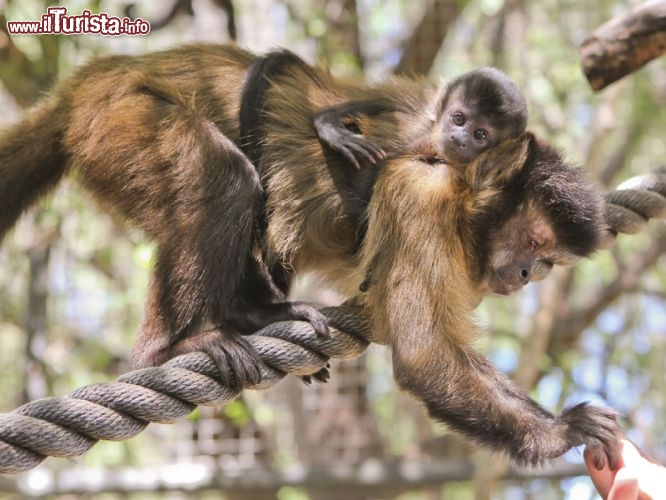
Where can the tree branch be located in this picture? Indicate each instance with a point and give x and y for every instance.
(624, 44)
(428, 36)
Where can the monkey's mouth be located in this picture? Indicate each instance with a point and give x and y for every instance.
(455, 160)
(499, 286)
(504, 291)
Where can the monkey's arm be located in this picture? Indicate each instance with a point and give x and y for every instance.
(463, 390)
(338, 127)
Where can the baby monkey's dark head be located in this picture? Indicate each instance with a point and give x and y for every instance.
(540, 212)
(478, 110)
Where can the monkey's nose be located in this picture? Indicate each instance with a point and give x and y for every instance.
(525, 274)
(457, 142)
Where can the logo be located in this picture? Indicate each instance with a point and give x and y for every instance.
(57, 22)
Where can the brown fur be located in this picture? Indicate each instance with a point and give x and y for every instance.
(309, 226)
(152, 138)
(155, 138)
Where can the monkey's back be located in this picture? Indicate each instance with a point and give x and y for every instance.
(310, 227)
(132, 119)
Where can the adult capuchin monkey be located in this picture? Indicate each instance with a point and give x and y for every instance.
(154, 137)
(439, 237)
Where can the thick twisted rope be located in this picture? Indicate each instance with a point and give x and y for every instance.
(69, 426)
(635, 201)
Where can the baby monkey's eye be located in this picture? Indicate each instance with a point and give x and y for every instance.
(458, 119)
(532, 245)
(480, 135)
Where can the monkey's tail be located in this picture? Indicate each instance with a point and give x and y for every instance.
(32, 160)
(261, 75)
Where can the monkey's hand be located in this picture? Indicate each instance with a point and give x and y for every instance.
(462, 389)
(354, 147)
(597, 429)
(238, 363)
(347, 139)
(249, 318)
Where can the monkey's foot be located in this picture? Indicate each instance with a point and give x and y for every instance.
(321, 376)
(238, 363)
(597, 429)
(251, 318)
(304, 311)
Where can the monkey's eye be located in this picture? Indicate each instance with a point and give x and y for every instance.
(458, 119)
(480, 135)
(532, 245)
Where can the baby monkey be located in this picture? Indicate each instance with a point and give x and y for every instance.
(470, 115)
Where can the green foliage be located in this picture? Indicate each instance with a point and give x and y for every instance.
(238, 413)
(291, 493)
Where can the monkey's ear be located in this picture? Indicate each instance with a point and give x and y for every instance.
(496, 167)
(437, 102)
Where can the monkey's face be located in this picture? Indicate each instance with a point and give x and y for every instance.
(465, 130)
(523, 249)
(559, 220)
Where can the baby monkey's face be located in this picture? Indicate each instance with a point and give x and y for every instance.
(466, 130)
(477, 111)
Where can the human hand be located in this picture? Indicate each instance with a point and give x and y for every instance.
(637, 477)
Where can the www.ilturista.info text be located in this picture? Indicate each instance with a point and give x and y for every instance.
(57, 22)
